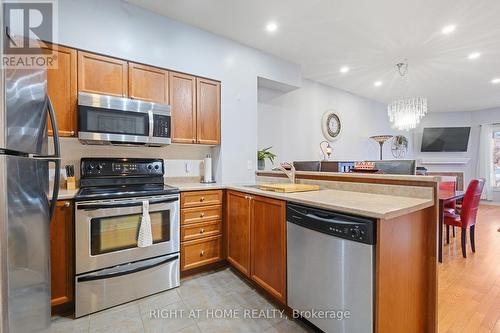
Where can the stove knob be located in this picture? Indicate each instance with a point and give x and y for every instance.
(150, 167)
(356, 233)
(157, 167)
(90, 167)
(99, 167)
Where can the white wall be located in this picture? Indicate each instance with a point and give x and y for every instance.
(291, 123)
(450, 119)
(116, 28)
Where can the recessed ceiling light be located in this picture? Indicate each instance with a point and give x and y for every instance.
(474, 55)
(271, 27)
(377, 83)
(495, 80)
(448, 29)
(344, 69)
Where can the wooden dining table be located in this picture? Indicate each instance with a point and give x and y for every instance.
(445, 196)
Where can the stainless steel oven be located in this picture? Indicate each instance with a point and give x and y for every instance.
(114, 120)
(106, 231)
(110, 268)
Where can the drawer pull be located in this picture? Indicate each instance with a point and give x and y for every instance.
(202, 214)
(202, 230)
(202, 199)
(202, 253)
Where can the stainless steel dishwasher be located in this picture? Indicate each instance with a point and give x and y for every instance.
(331, 260)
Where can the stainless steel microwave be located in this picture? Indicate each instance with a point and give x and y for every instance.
(106, 119)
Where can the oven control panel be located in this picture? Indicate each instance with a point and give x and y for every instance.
(94, 167)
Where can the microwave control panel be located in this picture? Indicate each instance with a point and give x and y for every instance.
(161, 126)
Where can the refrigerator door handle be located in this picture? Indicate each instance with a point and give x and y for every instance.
(56, 160)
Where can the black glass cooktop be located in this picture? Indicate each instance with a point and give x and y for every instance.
(123, 191)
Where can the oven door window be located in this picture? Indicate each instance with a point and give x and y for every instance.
(97, 120)
(115, 233)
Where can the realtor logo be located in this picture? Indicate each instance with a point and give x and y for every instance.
(29, 25)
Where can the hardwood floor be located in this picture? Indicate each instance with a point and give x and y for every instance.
(469, 289)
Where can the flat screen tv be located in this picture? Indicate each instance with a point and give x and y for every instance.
(445, 139)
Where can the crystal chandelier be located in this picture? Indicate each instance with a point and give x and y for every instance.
(405, 112)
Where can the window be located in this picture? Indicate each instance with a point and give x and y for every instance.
(496, 157)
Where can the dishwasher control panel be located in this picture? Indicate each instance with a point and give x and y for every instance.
(355, 228)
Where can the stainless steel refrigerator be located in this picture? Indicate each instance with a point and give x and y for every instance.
(25, 206)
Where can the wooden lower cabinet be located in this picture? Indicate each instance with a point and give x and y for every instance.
(268, 245)
(256, 231)
(201, 229)
(201, 198)
(61, 255)
(201, 252)
(238, 231)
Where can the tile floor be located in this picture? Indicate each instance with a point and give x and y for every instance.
(204, 298)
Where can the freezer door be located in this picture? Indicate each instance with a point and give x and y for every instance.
(25, 111)
(23, 116)
(25, 244)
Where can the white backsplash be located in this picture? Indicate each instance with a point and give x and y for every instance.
(180, 160)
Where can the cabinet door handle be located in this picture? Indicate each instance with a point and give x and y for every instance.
(67, 204)
(72, 133)
(202, 230)
(202, 253)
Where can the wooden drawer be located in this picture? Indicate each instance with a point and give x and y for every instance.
(200, 252)
(201, 214)
(200, 230)
(201, 198)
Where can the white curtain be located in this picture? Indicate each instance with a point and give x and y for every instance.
(485, 160)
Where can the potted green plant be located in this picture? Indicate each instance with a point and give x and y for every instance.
(262, 155)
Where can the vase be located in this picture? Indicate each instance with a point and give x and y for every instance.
(261, 164)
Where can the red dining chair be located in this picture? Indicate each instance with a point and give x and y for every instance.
(450, 207)
(468, 214)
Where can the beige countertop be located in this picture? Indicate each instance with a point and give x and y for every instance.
(66, 194)
(358, 203)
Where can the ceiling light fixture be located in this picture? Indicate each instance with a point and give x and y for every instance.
(448, 29)
(474, 55)
(495, 81)
(271, 27)
(344, 69)
(405, 112)
(377, 83)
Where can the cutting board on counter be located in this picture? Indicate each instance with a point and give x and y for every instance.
(288, 188)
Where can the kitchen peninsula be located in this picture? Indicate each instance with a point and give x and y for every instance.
(406, 213)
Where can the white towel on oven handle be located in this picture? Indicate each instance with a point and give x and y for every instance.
(145, 237)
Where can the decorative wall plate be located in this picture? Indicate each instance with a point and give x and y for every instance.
(331, 125)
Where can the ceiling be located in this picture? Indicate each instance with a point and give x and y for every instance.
(370, 37)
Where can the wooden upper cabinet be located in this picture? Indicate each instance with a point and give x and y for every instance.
(147, 83)
(268, 245)
(183, 106)
(208, 111)
(62, 90)
(102, 75)
(238, 231)
(61, 254)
